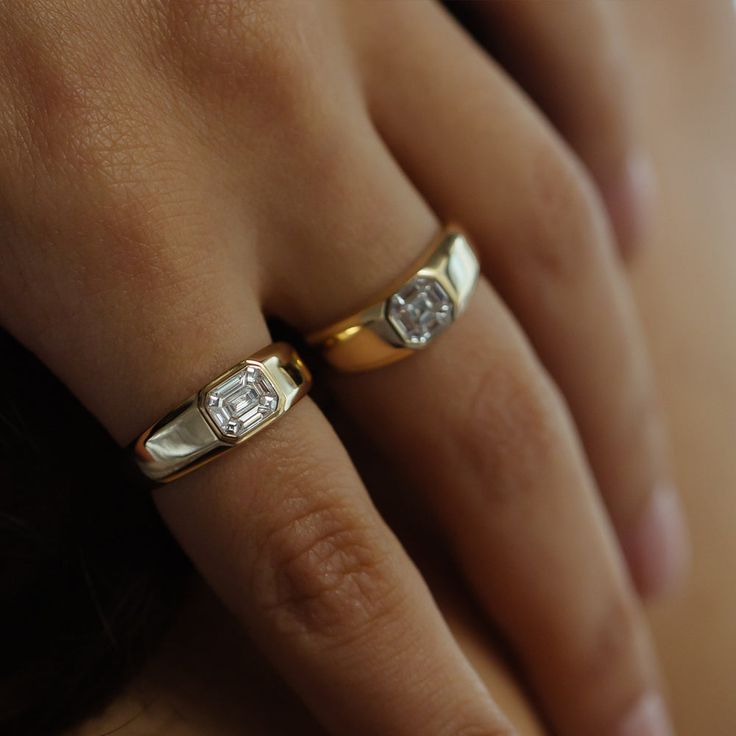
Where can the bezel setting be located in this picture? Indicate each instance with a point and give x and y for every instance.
(410, 313)
(241, 402)
(229, 410)
(420, 311)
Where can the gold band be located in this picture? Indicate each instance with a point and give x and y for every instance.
(226, 412)
(410, 313)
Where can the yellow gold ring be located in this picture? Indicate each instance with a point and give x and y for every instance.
(225, 413)
(411, 313)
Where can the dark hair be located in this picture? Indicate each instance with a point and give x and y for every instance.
(89, 576)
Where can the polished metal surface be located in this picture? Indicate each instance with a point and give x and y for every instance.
(411, 313)
(189, 436)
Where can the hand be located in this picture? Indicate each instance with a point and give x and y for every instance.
(178, 170)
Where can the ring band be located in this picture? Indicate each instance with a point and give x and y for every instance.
(411, 313)
(226, 412)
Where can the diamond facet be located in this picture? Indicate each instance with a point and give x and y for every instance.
(420, 310)
(242, 401)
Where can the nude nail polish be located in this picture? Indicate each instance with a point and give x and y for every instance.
(647, 718)
(657, 549)
(630, 200)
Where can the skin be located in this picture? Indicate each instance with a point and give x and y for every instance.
(570, 56)
(153, 146)
(207, 679)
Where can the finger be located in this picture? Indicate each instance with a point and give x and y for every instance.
(281, 528)
(473, 424)
(287, 536)
(497, 169)
(572, 60)
(477, 428)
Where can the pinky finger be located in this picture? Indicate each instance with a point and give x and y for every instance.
(571, 58)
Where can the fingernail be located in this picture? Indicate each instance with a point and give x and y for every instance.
(657, 550)
(647, 718)
(629, 198)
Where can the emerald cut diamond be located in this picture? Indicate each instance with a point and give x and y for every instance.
(420, 310)
(241, 402)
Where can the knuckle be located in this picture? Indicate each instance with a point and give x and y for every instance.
(323, 574)
(68, 125)
(216, 32)
(516, 415)
(614, 643)
(563, 230)
(236, 48)
(40, 101)
(58, 94)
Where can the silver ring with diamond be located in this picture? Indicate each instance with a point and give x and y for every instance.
(411, 313)
(225, 413)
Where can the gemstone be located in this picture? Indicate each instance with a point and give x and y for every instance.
(420, 310)
(241, 402)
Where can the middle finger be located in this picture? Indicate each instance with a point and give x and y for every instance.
(480, 153)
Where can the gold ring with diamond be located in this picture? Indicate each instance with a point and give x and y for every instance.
(226, 412)
(409, 314)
